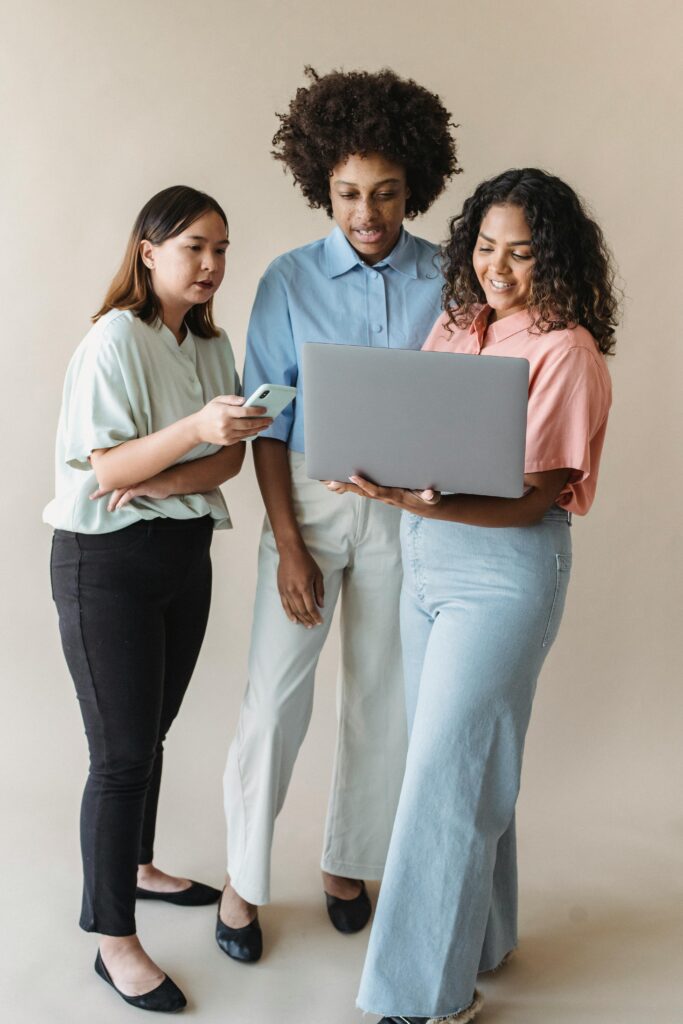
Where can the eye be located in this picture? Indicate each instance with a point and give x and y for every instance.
(347, 195)
(195, 248)
(387, 195)
(221, 252)
(522, 256)
(485, 248)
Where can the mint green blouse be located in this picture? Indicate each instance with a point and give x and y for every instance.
(127, 379)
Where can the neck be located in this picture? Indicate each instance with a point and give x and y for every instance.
(173, 317)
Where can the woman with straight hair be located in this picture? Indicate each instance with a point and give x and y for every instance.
(528, 275)
(150, 426)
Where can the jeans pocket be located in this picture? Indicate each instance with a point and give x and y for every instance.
(563, 565)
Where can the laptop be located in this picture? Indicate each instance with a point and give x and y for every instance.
(413, 419)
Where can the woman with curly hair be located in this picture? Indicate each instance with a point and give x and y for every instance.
(371, 150)
(527, 275)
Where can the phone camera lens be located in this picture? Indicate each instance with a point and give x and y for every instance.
(264, 394)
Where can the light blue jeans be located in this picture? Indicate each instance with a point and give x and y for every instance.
(480, 609)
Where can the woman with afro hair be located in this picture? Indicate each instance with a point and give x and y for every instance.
(371, 150)
(527, 275)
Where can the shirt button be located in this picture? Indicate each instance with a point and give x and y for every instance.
(377, 328)
(374, 274)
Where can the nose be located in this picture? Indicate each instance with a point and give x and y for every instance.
(498, 264)
(366, 206)
(209, 262)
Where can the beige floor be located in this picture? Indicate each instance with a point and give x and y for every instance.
(601, 900)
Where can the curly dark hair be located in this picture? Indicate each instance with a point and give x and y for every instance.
(573, 275)
(343, 113)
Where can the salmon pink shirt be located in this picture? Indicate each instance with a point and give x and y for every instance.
(570, 393)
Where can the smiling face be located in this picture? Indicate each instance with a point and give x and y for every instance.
(368, 195)
(503, 259)
(188, 269)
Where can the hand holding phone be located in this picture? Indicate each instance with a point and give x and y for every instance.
(271, 397)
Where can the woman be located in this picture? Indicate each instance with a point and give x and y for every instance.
(371, 150)
(149, 421)
(527, 275)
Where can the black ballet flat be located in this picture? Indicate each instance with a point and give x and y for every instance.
(196, 895)
(404, 1020)
(165, 998)
(464, 1016)
(244, 944)
(350, 916)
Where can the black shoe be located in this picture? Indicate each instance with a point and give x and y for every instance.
(350, 916)
(197, 895)
(464, 1016)
(245, 944)
(404, 1020)
(165, 998)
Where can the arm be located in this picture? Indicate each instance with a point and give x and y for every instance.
(222, 421)
(195, 477)
(202, 475)
(470, 509)
(271, 356)
(299, 579)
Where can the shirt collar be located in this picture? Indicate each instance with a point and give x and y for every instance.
(342, 257)
(499, 330)
(187, 348)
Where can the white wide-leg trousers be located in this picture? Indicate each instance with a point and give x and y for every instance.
(356, 545)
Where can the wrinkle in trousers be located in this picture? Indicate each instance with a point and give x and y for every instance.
(480, 609)
(133, 607)
(356, 545)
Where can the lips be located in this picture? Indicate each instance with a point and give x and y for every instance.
(368, 235)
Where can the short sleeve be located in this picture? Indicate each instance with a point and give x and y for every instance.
(271, 351)
(437, 335)
(97, 408)
(568, 405)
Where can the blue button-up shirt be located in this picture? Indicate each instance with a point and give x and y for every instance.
(324, 292)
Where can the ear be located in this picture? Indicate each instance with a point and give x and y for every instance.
(147, 253)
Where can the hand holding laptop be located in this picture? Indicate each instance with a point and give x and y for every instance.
(399, 497)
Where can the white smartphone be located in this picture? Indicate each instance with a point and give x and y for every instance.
(273, 397)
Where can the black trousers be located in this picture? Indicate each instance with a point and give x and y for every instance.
(133, 607)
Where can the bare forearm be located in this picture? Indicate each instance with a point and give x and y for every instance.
(144, 457)
(476, 510)
(275, 481)
(202, 475)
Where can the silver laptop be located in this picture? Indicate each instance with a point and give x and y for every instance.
(416, 419)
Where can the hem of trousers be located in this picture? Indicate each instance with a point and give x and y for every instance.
(257, 897)
(347, 869)
(429, 1017)
(497, 964)
(121, 932)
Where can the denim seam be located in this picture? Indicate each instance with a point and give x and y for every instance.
(561, 565)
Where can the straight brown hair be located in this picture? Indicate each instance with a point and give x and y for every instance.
(166, 215)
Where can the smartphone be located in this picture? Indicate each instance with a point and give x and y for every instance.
(273, 397)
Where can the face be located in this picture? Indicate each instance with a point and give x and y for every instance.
(189, 268)
(369, 196)
(503, 261)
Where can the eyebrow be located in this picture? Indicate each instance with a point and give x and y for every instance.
(203, 238)
(526, 241)
(385, 181)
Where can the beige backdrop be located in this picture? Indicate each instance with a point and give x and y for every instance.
(103, 104)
